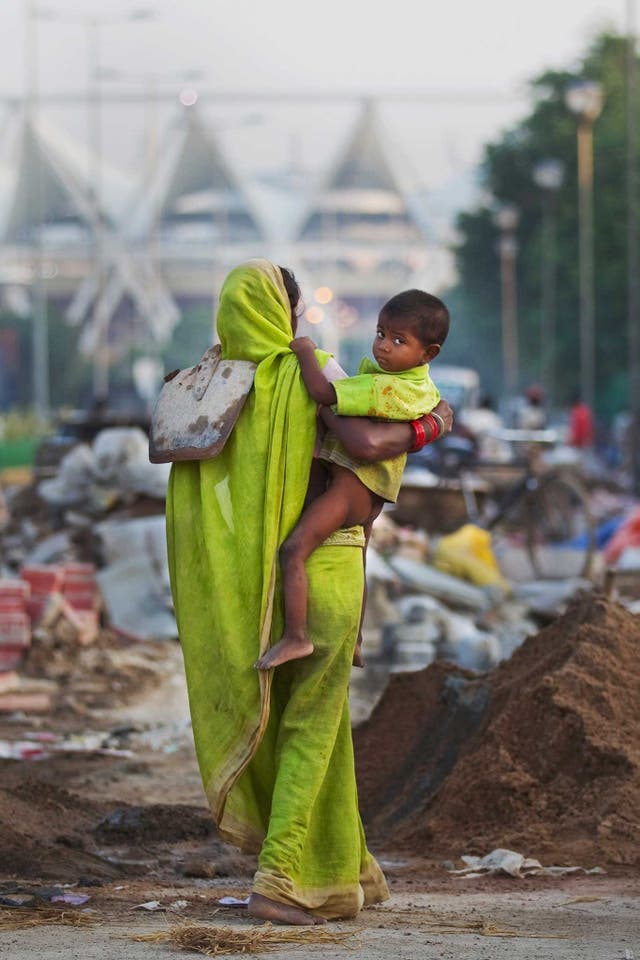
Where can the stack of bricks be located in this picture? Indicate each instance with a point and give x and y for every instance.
(42, 596)
(43, 593)
(15, 623)
(43, 579)
(68, 591)
(82, 599)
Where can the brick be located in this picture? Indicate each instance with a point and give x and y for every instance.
(36, 605)
(26, 702)
(15, 629)
(43, 578)
(13, 595)
(9, 681)
(19, 589)
(83, 599)
(11, 657)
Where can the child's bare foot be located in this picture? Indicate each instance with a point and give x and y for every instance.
(358, 659)
(262, 908)
(289, 648)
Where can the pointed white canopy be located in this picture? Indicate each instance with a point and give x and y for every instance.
(361, 198)
(194, 194)
(46, 190)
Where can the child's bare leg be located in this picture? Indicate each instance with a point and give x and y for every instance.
(322, 518)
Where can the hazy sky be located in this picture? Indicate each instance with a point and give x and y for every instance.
(341, 44)
(331, 45)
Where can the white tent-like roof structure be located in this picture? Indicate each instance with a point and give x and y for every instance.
(46, 190)
(146, 243)
(361, 198)
(194, 193)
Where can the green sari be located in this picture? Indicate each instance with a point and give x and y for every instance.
(274, 749)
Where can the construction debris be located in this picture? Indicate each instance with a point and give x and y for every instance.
(512, 864)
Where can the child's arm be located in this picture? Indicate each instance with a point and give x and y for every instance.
(318, 387)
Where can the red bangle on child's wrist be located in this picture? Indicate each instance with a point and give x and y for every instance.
(421, 439)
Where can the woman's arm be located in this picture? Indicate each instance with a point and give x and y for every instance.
(372, 441)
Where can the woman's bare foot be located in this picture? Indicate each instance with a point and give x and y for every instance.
(289, 648)
(264, 909)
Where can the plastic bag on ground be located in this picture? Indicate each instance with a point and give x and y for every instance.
(467, 554)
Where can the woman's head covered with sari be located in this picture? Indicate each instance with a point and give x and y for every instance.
(254, 315)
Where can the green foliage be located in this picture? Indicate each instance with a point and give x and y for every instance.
(507, 172)
(190, 338)
(69, 372)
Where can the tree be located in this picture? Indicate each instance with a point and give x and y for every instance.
(507, 173)
(69, 374)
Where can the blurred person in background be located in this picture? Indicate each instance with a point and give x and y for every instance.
(532, 414)
(581, 425)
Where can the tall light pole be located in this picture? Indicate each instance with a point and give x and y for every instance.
(633, 247)
(93, 24)
(585, 100)
(548, 174)
(40, 337)
(506, 219)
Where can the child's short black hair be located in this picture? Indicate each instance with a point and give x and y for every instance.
(426, 314)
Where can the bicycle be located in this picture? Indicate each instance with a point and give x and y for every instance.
(543, 517)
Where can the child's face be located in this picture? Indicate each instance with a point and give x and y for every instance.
(396, 347)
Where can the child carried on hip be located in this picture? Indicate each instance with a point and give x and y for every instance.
(411, 329)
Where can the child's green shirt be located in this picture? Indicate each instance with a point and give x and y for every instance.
(404, 395)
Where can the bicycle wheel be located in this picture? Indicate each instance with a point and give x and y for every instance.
(560, 532)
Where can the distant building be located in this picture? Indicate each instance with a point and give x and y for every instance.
(132, 255)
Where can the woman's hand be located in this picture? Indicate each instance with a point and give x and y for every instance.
(302, 345)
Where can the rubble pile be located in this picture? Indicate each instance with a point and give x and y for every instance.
(540, 755)
(82, 563)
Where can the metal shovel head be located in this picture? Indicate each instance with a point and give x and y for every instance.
(197, 408)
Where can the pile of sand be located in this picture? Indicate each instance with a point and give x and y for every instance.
(542, 755)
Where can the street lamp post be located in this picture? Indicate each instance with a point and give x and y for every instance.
(93, 24)
(40, 339)
(506, 219)
(548, 174)
(585, 100)
(633, 247)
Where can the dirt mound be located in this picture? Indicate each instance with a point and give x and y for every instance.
(49, 833)
(542, 755)
(43, 832)
(161, 822)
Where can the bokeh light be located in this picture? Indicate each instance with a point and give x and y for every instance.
(323, 295)
(314, 315)
(188, 97)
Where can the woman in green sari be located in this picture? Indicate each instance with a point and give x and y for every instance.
(274, 748)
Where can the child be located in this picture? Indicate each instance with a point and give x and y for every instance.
(412, 327)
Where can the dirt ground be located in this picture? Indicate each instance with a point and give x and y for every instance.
(596, 920)
(129, 829)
